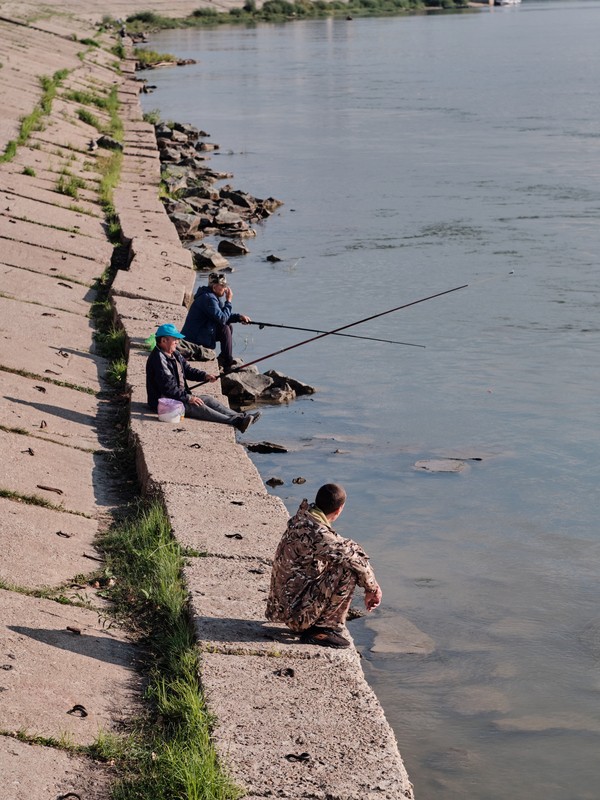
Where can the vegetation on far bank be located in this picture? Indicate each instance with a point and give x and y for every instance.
(283, 10)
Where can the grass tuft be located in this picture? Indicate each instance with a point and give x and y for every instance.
(171, 756)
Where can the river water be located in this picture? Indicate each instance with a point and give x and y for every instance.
(415, 155)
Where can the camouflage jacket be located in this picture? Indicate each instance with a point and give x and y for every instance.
(308, 547)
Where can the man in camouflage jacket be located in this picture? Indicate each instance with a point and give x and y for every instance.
(315, 572)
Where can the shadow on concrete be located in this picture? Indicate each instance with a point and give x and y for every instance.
(101, 423)
(243, 631)
(102, 648)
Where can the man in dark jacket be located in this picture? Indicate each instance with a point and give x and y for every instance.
(167, 372)
(210, 317)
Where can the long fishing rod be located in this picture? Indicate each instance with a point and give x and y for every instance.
(350, 325)
(349, 335)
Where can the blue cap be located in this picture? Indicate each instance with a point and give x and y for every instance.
(169, 330)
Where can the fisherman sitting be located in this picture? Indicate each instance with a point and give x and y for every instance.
(315, 572)
(167, 372)
(209, 320)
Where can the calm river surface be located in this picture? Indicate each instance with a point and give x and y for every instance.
(414, 155)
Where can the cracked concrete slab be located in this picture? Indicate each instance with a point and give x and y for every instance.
(150, 225)
(48, 291)
(55, 543)
(150, 287)
(42, 261)
(164, 458)
(152, 312)
(150, 251)
(33, 188)
(49, 670)
(57, 348)
(56, 413)
(66, 241)
(205, 518)
(270, 711)
(53, 216)
(31, 772)
(67, 478)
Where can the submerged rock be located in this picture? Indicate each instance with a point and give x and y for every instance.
(440, 465)
(265, 447)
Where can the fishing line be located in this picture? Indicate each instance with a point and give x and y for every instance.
(353, 324)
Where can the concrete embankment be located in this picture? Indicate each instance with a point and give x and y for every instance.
(291, 720)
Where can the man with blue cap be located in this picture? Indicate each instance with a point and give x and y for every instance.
(167, 372)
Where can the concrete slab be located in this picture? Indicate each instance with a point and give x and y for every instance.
(49, 262)
(42, 547)
(227, 601)
(31, 187)
(152, 312)
(68, 478)
(148, 249)
(164, 457)
(146, 224)
(53, 216)
(31, 772)
(149, 287)
(53, 347)
(131, 196)
(204, 518)
(52, 239)
(50, 292)
(267, 716)
(56, 413)
(53, 670)
(145, 171)
(45, 179)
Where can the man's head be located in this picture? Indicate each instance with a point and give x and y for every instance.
(167, 337)
(218, 283)
(330, 499)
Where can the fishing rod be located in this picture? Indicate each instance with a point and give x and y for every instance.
(262, 325)
(351, 325)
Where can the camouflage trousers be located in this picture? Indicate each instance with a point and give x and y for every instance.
(324, 601)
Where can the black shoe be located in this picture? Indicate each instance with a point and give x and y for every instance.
(255, 416)
(242, 423)
(326, 637)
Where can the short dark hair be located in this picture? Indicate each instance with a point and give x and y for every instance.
(330, 497)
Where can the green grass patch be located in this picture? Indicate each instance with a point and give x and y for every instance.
(152, 116)
(85, 115)
(35, 121)
(29, 171)
(148, 58)
(171, 756)
(283, 11)
(70, 184)
(86, 98)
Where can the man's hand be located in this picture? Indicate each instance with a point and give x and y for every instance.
(195, 401)
(228, 294)
(373, 598)
(244, 319)
(211, 378)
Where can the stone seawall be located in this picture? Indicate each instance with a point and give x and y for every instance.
(292, 721)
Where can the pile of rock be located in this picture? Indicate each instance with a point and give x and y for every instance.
(196, 206)
(247, 386)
